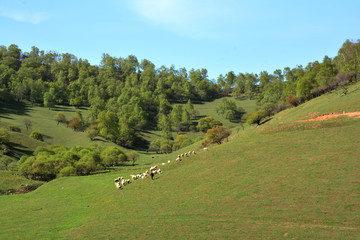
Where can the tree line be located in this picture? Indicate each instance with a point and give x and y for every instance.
(126, 96)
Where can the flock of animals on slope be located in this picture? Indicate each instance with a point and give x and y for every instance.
(120, 182)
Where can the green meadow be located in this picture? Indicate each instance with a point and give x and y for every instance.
(281, 180)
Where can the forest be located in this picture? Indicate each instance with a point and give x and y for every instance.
(125, 96)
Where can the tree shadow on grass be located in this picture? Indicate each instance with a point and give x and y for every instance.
(60, 108)
(18, 150)
(18, 108)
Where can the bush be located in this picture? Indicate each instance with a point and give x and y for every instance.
(208, 123)
(5, 162)
(75, 123)
(112, 156)
(4, 136)
(269, 108)
(217, 134)
(67, 171)
(14, 128)
(293, 101)
(256, 117)
(36, 135)
(60, 118)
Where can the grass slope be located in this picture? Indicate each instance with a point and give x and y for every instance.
(43, 120)
(297, 183)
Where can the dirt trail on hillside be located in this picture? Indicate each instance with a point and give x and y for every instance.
(332, 116)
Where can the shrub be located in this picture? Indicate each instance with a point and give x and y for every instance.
(133, 156)
(36, 135)
(28, 123)
(207, 123)
(60, 118)
(292, 100)
(75, 123)
(5, 162)
(256, 117)
(269, 108)
(4, 136)
(14, 128)
(112, 156)
(67, 171)
(217, 134)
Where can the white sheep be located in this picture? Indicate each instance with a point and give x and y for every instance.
(193, 152)
(205, 149)
(118, 185)
(168, 161)
(153, 168)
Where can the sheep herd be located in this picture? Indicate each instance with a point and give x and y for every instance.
(120, 182)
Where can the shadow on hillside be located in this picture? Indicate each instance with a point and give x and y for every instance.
(17, 108)
(149, 132)
(141, 144)
(265, 121)
(18, 150)
(47, 137)
(62, 109)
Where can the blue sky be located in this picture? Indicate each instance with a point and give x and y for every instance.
(221, 36)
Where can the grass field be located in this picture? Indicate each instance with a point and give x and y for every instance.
(277, 181)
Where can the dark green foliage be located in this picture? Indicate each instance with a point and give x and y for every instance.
(112, 156)
(181, 141)
(7, 163)
(229, 110)
(136, 95)
(14, 128)
(56, 161)
(256, 117)
(4, 136)
(155, 145)
(207, 123)
(133, 156)
(60, 118)
(36, 135)
(67, 171)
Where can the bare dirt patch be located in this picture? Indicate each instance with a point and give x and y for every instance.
(332, 116)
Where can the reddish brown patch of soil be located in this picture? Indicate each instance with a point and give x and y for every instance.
(332, 116)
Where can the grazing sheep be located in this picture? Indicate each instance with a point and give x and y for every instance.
(178, 159)
(117, 185)
(125, 181)
(153, 168)
(163, 163)
(205, 149)
(179, 156)
(189, 153)
(193, 152)
(182, 155)
(168, 161)
(134, 177)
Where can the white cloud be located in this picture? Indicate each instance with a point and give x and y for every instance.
(184, 17)
(33, 18)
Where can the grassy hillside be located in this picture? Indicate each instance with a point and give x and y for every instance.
(281, 180)
(43, 120)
